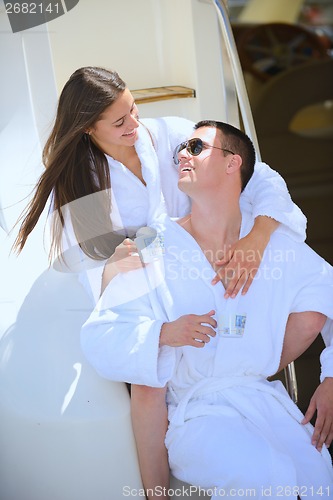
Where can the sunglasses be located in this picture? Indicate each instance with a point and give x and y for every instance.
(194, 147)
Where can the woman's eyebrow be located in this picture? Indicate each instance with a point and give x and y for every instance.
(122, 117)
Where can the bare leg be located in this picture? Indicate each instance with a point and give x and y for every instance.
(302, 329)
(150, 422)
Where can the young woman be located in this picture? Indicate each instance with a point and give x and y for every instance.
(108, 174)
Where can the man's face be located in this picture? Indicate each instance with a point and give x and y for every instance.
(205, 170)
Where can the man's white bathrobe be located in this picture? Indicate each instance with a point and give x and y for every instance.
(229, 427)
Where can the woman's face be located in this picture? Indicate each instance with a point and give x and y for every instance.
(117, 125)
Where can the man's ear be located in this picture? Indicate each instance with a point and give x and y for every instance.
(235, 164)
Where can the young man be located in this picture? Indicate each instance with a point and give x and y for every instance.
(230, 429)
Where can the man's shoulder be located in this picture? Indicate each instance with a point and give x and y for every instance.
(165, 224)
(284, 241)
(283, 249)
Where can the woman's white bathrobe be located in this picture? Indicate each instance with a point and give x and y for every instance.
(229, 427)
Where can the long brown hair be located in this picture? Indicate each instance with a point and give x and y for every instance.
(75, 166)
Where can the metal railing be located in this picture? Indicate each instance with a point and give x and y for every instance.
(249, 127)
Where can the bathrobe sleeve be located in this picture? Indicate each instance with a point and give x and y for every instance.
(74, 260)
(267, 194)
(326, 357)
(315, 293)
(167, 133)
(121, 337)
(312, 279)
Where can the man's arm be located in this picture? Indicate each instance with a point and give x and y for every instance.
(301, 331)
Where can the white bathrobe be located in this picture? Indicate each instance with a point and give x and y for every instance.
(135, 205)
(229, 427)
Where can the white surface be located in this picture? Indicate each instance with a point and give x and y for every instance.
(67, 431)
(54, 444)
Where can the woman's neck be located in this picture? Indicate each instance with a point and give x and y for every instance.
(123, 154)
(129, 158)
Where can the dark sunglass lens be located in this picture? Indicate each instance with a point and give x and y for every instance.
(195, 146)
(179, 148)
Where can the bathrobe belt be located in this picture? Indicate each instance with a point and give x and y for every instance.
(180, 410)
(180, 398)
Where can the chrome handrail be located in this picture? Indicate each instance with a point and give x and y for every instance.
(247, 118)
(291, 381)
(243, 100)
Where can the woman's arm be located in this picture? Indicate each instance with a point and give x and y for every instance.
(124, 259)
(266, 196)
(241, 263)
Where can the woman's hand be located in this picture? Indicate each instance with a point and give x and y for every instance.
(241, 263)
(190, 329)
(125, 258)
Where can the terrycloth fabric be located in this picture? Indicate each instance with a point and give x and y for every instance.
(135, 205)
(220, 404)
(326, 357)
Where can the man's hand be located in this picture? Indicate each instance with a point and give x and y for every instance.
(190, 329)
(322, 401)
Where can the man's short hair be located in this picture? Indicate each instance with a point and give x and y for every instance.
(237, 141)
